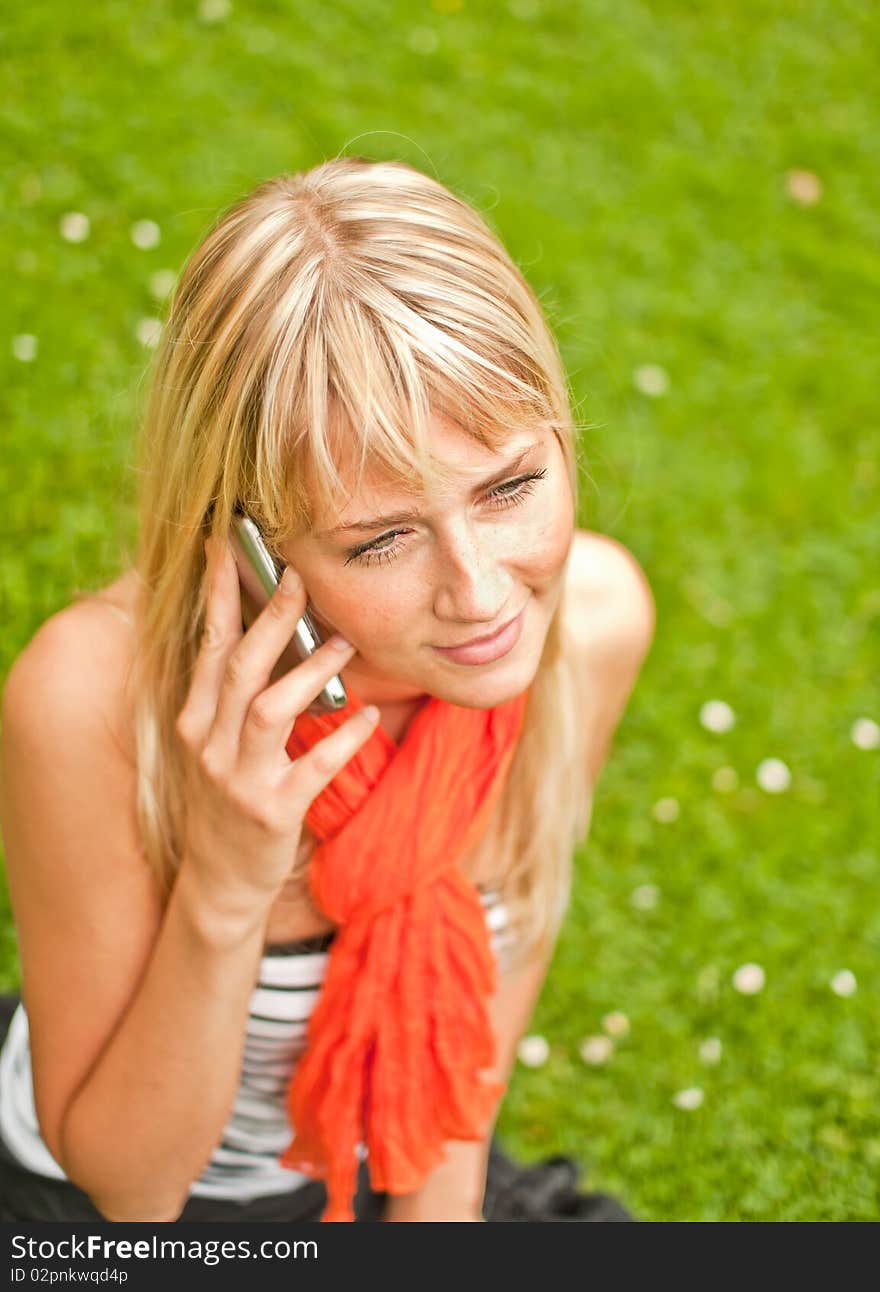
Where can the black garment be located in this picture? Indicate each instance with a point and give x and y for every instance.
(26, 1195)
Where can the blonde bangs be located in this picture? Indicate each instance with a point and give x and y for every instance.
(355, 389)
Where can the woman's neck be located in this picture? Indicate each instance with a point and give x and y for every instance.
(396, 716)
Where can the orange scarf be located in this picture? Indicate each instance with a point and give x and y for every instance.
(401, 1029)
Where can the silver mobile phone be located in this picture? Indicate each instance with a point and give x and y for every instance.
(259, 575)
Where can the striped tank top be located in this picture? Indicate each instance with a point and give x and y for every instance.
(244, 1164)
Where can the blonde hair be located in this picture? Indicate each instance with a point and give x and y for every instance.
(354, 300)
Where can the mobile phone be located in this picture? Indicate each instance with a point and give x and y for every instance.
(259, 575)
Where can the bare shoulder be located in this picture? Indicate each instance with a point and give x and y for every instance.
(610, 618)
(609, 598)
(77, 666)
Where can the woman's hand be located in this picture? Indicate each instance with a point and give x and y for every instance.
(246, 799)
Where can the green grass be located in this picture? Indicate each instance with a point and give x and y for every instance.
(633, 157)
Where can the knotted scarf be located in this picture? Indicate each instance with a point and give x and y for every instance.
(401, 1028)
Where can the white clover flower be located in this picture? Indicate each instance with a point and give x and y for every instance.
(749, 979)
(162, 283)
(652, 380)
(865, 733)
(688, 1099)
(74, 226)
(149, 332)
(533, 1051)
(804, 186)
(710, 1050)
(596, 1050)
(725, 779)
(145, 234)
(616, 1023)
(717, 715)
(844, 983)
(645, 897)
(665, 810)
(24, 347)
(773, 776)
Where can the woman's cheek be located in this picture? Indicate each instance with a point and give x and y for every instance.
(359, 610)
(546, 549)
(336, 606)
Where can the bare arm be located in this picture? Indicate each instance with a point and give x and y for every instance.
(136, 1016)
(146, 1120)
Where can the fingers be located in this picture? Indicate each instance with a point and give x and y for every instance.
(249, 665)
(272, 714)
(309, 774)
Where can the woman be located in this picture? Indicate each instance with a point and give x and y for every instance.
(253, 976)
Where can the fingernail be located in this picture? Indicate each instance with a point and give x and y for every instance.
(338, 642)
(289, 579)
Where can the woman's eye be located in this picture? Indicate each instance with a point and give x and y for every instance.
(509, 494)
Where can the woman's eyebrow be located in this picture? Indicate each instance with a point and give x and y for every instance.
(399, 517)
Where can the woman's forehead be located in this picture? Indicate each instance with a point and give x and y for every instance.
(452, 451)
(457, 462)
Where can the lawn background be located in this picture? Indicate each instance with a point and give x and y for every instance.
(634, 159)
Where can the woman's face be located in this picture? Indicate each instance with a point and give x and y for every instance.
(472, 556)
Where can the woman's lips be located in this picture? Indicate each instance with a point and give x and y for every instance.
(486, 651)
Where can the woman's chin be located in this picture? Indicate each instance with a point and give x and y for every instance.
(485, 686)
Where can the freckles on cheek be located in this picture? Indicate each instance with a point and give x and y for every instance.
(337, 603)
(374, 622)
(548, 546)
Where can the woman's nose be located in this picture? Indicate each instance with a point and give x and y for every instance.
(472, 584)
